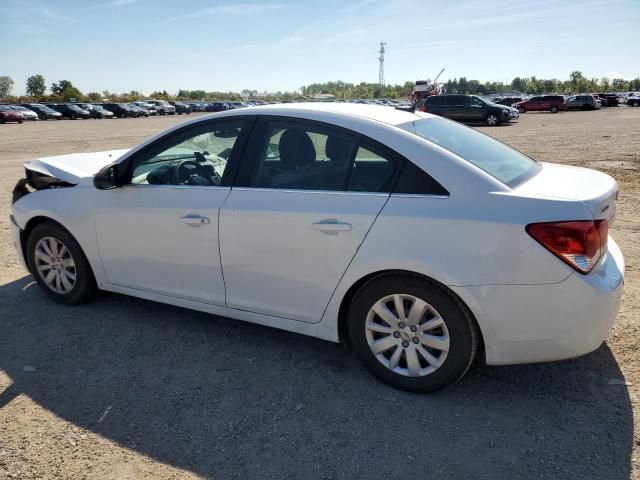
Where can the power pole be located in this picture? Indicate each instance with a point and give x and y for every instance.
(381, 71)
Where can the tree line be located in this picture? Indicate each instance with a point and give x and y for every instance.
(64, 90)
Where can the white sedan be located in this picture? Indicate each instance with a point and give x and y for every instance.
(418, 241)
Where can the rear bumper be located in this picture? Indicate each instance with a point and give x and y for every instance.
(539, 323)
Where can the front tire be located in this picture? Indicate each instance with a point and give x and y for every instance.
(522, 109)
(553, 109)
(411, 333)
(59, 265)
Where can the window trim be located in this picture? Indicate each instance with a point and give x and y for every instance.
(186, 132)
(253, 152)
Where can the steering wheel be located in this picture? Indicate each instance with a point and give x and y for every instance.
(188, 169)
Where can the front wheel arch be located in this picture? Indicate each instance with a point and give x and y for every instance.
(33, 223)
(343, 312)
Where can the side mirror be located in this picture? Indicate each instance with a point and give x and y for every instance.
(107, 178)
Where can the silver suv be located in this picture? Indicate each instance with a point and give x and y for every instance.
(584, 102)
(162, 107)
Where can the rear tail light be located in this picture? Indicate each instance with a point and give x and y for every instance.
(579, 244)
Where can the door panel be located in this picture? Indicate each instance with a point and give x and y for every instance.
(283, 252)
(163, 239)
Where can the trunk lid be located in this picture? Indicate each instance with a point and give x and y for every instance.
(597, 190)
(74, 167)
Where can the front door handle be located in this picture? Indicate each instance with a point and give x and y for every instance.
(195, 220)
(332, 225)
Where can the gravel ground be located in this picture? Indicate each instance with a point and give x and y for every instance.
(128, 389)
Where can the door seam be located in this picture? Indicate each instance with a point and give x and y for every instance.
(353, 258)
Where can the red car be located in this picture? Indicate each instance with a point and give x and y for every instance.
(8, 114)
(544, 103)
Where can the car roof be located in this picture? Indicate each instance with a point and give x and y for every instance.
(379, 113)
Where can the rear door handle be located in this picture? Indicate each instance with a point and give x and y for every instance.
(194, 220)
(332, 225)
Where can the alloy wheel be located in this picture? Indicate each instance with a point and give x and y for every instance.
(55, 265)
(407, 335)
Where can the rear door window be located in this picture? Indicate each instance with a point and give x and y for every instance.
(302, 156)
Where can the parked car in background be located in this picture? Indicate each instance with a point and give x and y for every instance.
(542, 103)
(583, 102)
(103, 112)
(609, 99)
(148, 106)
(27, 113)
(96, 111)
(197, 106)
(120, 110)
(216, 107)
(70, 111)
(142, 111)
(162, 107)
(633, 100)
(8, 115)
(181, 108)
(508, 101)
(465, 108)
(234, 105)
(44, 112)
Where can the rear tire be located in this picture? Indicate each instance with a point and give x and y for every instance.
(492, 120)
(427, 347)
(553, 109)
(52, 252)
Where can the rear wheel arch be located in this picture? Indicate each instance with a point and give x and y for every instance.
(347, 299)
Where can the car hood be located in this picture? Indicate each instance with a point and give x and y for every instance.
(75, 167)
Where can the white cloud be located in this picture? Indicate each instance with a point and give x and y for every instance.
(238, 9)
(350, 36)
(358, 6)
(118, 3)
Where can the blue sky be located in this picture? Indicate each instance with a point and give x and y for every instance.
(122, 45)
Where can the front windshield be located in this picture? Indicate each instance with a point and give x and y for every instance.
(497, 159)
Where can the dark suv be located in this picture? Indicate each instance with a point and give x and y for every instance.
(465, 108)
(544, 103)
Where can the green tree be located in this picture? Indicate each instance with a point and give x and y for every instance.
(6, 85)
(59, 87)
(94, 97)
(518, 84)
(36, 86)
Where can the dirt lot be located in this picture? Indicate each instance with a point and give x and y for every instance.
(124, 388)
